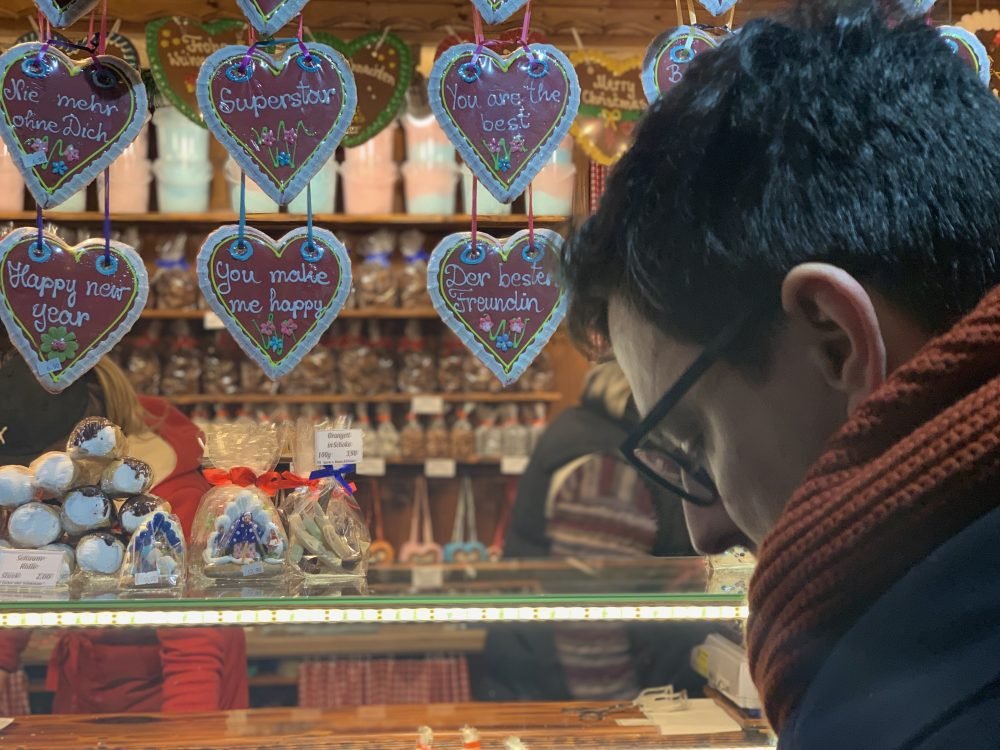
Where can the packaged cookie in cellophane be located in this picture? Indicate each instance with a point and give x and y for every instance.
(462, 436)
(143, 366)
(374, 279)
(417, 368)
(413, 439)
(489, 437)
(539, 376)
(451, 365)
(328, 537)
(315, 374)
(174, 282)
(477, 376)
(388, 436)
(355, 360)
(515, 437)
(383, 378)
(221, 366)
(182, 366)
(437, 439)
(237, 535)
(156, 556)
(412, 275)
(370, 439)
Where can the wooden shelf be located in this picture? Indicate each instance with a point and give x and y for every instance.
(507, 397)
(383, 313)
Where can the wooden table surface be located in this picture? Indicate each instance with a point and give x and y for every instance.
(541, 726)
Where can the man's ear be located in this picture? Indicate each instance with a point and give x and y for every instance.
(840, 326)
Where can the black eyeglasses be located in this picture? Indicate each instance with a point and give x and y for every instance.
(669, 468)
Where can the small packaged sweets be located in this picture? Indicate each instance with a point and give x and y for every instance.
(538, 424)
(370, 440)
(55, 473)
(134, 510)
(373, 278)
(462, 436)
(85, 509)
(477, 376)
(451, 365)
(96, 438)
(182, 367)
(143, 366)
(34, 525)
(489, 437)
(383, 378)
(221, 366)
(388, 435)
(412, 439)
(125, 477)
(412, 275)
(174, 282)
(539, 376)
(237, 532)
(356, 361)
(515, 437)
(156, 555)
(99, 555)
(437, 439)
(417, 368)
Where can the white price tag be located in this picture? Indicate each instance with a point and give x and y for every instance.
(212, 322)
(252, 569)
(427, 405)
(371, 467)
(28, 567)
(147, 579)
(513, 465)
(427, 577)
(339, 447)
(440, 468)
(50, 366)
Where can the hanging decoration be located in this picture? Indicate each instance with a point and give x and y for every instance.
(117, 45)
(420, 548)
(498, 11)
(506, 114)
(611, 104)
(382, 65)
(64, 12)
(177, 47)
(281, 119)
(66, 307)
(465, 546)
(718, 7)
(500, 297)
(503, 43)
(276, 298)
(969, 50)
(670, 54)
(268, 16)
(65, 122)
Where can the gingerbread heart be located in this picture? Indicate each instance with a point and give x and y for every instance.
(611, 104)
(117, 45)
(177, 47)
(268, 16)
(501, 298)
(420, 553)
(465, 552)
(63, 307)
(382, 65)
(718, 7)
(969, 50)
(280, 119)
(276, 298)
(498, 11)
(64, 12)
(669, 55)
(65, 122)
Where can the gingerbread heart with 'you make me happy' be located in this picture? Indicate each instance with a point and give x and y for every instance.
(66, 307)
(281, 119)
(506, 114)
(65, 122)
(501, 297)
(276, 297)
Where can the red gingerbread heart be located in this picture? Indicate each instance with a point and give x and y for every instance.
(670, 54)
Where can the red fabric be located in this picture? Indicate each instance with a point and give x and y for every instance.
(342, 683)
(170, 669)
(913, 466)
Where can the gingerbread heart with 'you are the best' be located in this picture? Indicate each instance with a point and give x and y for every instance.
(63, 121)
(66, 307)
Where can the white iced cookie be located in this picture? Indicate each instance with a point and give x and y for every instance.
(86, 508)
(55, 473)
(17, 486)
(96, 437)
(69, 559)
(100, 553)
(34, 525)
(126, 477)
(135, 509)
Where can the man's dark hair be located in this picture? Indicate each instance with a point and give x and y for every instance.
(828, 136)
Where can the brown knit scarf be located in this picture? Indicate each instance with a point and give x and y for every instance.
(916, 463)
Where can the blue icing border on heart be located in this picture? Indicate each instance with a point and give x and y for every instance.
(468, 152)
(553, 242)
(952, 33)
(327, 239)
(62, 17)
(234, 54)
(281, 16)
(85, 176)
(498, 15)
(653, 52)
(81, 367)
(718, 7)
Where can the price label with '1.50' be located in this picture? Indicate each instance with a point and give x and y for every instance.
(339, 447)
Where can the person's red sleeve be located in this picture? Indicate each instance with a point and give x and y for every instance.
(184, 493)
(12, 643)
(194, 668)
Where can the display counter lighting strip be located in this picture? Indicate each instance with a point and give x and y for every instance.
(301, 616)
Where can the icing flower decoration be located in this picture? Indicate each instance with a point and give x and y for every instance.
(276, 344)
(486, 323)
(39, 145)
(284, 159)
(267, 328)
(267, 137)
(517, 144)
(504, 164)
(71, 154)
(288, 327)
(517, 325)
(291, 136)
(493, 146)
(59, 344)
(60, 168)
(504, 343)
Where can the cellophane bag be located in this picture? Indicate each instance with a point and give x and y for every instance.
(237, 534)
(412, 275)
(156, 556)
(374, 279)
(328, 536)
(175, 282)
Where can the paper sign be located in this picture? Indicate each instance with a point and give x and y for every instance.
(513, 465)
(440, 468)
(212, 322)
(371, 467)
(147, 579)
(252, 569)
(428, 577)
(30, 567)
(339, 447)
(427, 405)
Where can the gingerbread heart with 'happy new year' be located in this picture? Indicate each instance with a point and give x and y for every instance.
(611, 104)
(64, 12)
(506, 114)
(268, 16)
(276, 298)
(670, 54)
(501, 298)
(65, 122)
(64, 307)
(281, 119)
(498, 11)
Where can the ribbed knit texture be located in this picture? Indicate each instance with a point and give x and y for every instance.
(917, 462)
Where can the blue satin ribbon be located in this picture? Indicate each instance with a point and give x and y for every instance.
(338, 474)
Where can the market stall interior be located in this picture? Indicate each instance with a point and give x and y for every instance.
(287, 396)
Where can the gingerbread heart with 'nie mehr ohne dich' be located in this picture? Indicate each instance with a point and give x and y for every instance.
(64, 122)
(500, 297)
(66, 307)
(281, 119)
(506, 114)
